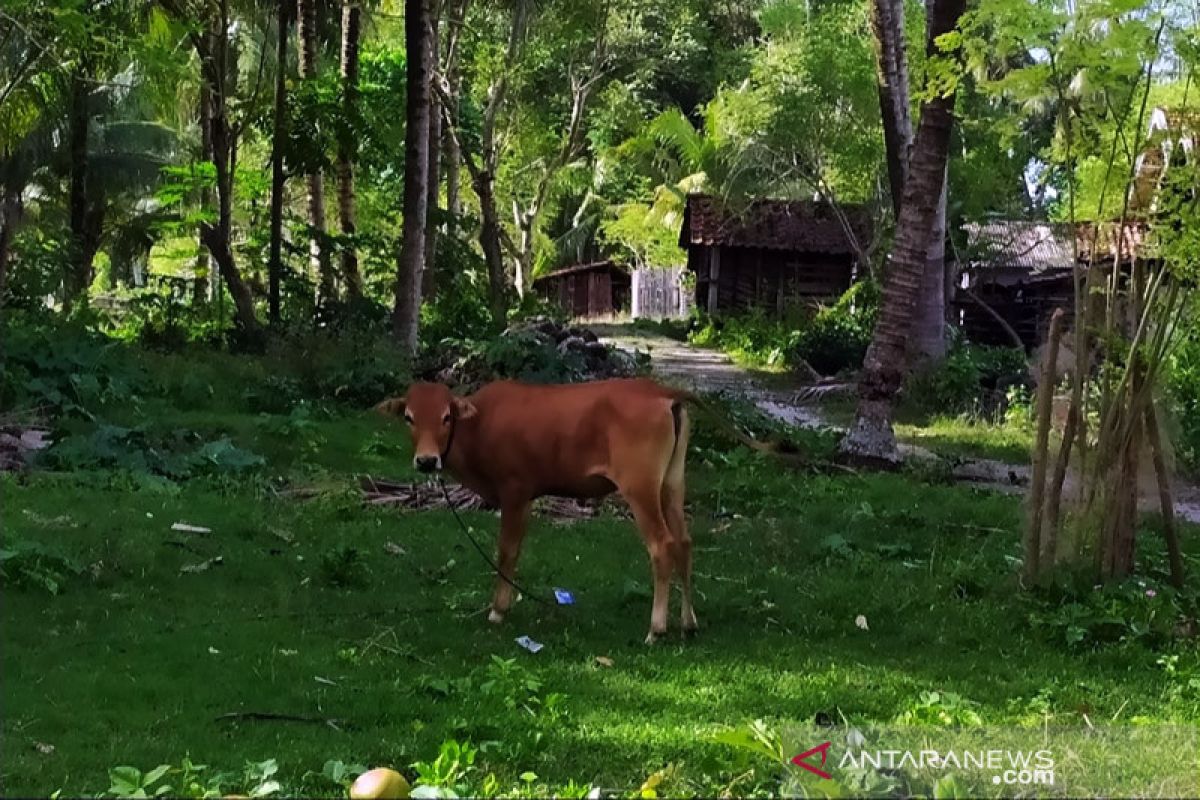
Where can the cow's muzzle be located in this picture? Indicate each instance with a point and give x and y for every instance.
(427, 463)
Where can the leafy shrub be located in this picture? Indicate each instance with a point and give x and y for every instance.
(836, 338)
(162, 318)
(345, 568)
(26, 564)
(178, 455)
(831, 340)
(751, 338)
(62, 368)
(1131, 611)
(1183, 383)
(355, 368)
(942, 709)
(972, 379)
(193, 780)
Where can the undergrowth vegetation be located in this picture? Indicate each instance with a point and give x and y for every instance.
(830, 339)
(199, 603)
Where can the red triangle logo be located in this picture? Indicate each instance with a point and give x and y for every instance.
(802, 760)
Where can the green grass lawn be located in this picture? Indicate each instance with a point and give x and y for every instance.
(135, 661)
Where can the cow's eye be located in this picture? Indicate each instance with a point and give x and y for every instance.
(446, 419)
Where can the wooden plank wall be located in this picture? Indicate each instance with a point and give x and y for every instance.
(659, 294)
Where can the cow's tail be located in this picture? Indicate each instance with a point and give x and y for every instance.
(675, 467)
(719, 419)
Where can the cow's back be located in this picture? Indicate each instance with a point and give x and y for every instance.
(559, 438)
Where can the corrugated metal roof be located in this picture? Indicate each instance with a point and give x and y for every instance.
(1040, 246)
(1018, 244)
(795, 225)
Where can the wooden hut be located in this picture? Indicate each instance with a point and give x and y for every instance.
(1016, 273)
(586, 291)
(772, 253)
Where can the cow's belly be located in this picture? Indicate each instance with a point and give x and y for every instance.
(583, 488)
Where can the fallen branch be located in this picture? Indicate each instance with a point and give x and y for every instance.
(271, 716)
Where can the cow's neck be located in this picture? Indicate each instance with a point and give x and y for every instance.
(459, 455)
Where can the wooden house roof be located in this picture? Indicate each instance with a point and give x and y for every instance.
(794, 225)
(1040, 246)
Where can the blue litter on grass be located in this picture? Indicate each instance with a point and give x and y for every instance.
(564, 597)
(529, 644)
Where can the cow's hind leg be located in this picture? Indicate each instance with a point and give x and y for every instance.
(514, 521)
(646, 504)
(672, 503)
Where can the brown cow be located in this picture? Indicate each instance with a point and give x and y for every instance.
(511, 443)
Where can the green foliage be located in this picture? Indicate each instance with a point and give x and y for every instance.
(831, 339)
(837, 337)
(177, 455)
(63, 368)
(193, 781)
(345, 568)
(31, 564)
(973, 379)
(942, 709)
(1183, 386)
(1133, 611)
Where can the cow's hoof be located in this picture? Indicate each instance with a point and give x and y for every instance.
(652, 637)
(690, 632)
(495, 617)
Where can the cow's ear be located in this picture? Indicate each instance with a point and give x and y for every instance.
(392, 407)
(464, 408)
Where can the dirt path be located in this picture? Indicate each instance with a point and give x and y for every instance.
(701, 369)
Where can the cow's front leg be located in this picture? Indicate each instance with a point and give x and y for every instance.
(514, 520)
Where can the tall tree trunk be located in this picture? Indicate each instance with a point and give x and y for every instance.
(406, 313)
(79, 266)
(213, 52)
(433, 179)
(348, 145)
(887, 25)
(278, 176)
(452, 81)
(929, 328)
(872, 437)
(218, 236)
(201, 287)
(319, 261)
(891, 76)
(489, 239)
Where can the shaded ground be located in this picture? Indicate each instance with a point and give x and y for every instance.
(782, 396)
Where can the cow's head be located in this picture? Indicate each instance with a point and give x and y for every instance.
(432, 413)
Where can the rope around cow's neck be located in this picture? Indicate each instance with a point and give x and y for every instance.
(483, 553)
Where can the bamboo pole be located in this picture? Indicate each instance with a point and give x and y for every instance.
(1165, 500)
(1033, 532)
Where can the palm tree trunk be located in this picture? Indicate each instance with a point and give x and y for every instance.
(887, 25)
(872, 438)
(347, 146)
(319, 261)
(928, 346)
(406, 312)
(79, 267)
(278, 176)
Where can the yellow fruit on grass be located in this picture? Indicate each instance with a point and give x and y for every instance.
(380, 784)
